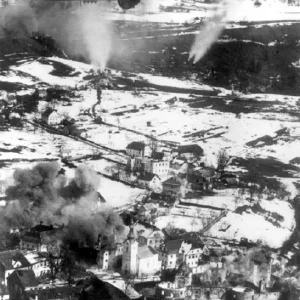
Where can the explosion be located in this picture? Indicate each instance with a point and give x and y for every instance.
(44, 194)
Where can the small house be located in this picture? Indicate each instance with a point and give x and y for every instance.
(171, 185)
(136, 149)
(10, 261)
(19, 282)
(51, 117)
(149, 180)
(190, 151)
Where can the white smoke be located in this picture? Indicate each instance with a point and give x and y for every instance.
(79, 30)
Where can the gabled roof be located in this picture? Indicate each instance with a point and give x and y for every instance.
(47, 113)
(140, 146)
(147, 176)
(158, 155)
(193, 148)
(173, 246)
(145, 252)
(261, 257)
(8, 257)
(172, 180)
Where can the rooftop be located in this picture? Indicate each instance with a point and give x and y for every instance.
(9, 258)
(145, 252)
(140, 146)
(25, 277)
(146, 176)
(192, 148)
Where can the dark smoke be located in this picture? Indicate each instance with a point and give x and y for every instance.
(43, 194)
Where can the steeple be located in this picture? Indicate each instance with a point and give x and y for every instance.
(130, 235)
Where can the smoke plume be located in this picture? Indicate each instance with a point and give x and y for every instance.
(80, 31)
(44, 194)
(209, 33)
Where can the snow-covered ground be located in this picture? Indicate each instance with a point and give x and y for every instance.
(256, 227)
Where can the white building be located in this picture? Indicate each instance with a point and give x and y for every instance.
(150, 181)
(51, 117)
(39, 263)
(139, 260)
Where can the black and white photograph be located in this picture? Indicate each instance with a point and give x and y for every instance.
(149, 149)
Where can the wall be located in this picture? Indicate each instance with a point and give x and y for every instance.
(267, 296)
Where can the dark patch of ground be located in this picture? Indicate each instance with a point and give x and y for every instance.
(267, 166)
(266, 141)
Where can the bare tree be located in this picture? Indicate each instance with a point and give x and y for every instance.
(129, 280)
(222, 160)
(153, 144)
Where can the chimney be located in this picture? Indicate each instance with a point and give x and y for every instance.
(36, 296)
(41, 222)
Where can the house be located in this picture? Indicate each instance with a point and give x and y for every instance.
(139, 259)
(260, 269)
(39, 237)
(194, 255)
(149, 180)
(172, 253)
(190, 151)
(51, 117)
(149, 235)
(159, 167)
(39, 263)
(19, 282)
(136, 149)
(109, 255)
(171, 185)
(10, 261)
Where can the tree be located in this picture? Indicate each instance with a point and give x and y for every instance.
(129, 280)
(153, 144)
(222, 160)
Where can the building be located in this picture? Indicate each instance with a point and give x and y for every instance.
(10, 261)
(190, 151)
(39, 237)
(172, 185)
(193, 257)
(51, 117)
(139, 260)
(19, 282)
(149, 180)
(39, 263)
(55, 293)
(136, 149)
(149, 235)
(110, 252)
(159, 167)
(260, 269)
(172, 253)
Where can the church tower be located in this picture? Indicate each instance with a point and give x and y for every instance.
(130, 250)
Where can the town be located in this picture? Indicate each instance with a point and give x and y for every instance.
(149, 150)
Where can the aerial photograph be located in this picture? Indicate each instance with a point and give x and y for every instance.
(149, 149)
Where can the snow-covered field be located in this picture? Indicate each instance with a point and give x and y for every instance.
(256, 227)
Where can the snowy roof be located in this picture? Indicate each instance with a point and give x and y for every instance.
(145, 252)
(8, 258)
(207, 172)
(140, 146)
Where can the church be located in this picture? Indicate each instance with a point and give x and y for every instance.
(139, 260)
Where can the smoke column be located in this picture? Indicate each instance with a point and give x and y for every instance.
(80, 31)
(44, 194)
